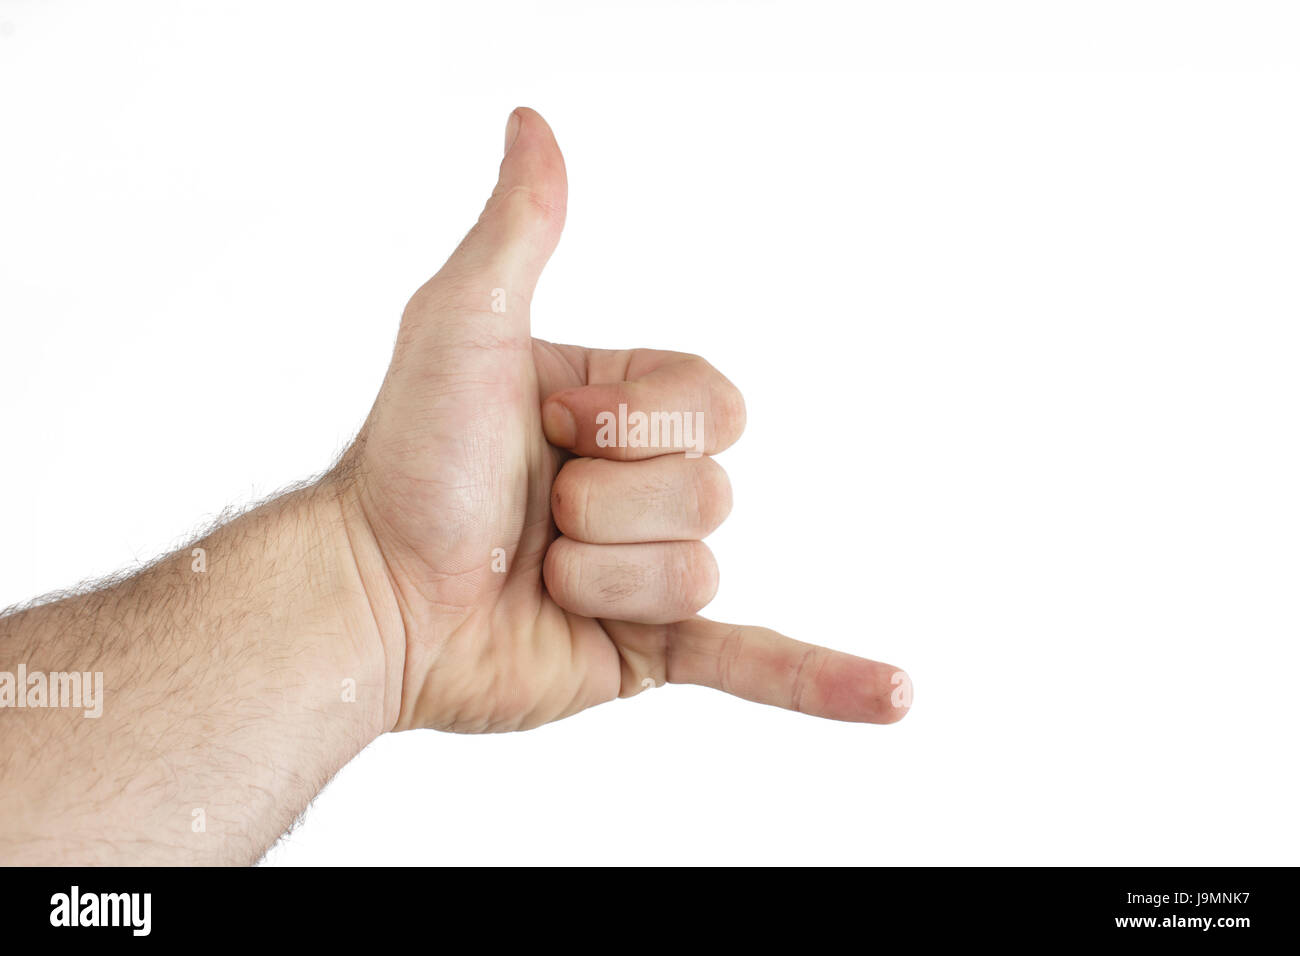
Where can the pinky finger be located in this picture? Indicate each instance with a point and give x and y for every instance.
(769, 668)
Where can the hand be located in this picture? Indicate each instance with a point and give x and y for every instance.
(460, 569)
(521, 568)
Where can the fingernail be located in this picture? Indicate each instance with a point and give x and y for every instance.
(561, 429)
(512, 130)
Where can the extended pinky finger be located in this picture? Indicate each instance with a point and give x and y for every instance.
(770, 668)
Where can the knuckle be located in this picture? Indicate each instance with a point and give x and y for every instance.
(713, 498)
(524, 206)
(726, 403)
(810, 664)
(699, 576)
(730, 650)
(730, 411)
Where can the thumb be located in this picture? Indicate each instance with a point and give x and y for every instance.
(502, 257)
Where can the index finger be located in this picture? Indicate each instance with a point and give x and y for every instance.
(681, 405)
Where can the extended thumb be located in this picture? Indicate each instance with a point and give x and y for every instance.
(522, 220)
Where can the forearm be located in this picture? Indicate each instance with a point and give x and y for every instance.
(226, 690)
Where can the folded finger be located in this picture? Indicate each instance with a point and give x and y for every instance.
(650, 583)
(681, 405)
(672, 498)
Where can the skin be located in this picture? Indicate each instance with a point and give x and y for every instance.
(476, 562)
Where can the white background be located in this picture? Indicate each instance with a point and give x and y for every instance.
(1010, 288)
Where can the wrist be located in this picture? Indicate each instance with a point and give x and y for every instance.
(371, 636)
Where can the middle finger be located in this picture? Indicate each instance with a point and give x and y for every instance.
(670, 498)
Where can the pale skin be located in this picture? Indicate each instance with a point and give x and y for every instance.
(475, 563)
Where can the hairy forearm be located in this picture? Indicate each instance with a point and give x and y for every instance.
(236, 682)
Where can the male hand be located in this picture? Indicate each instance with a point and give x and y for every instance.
(489, 555)
(521, 568)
